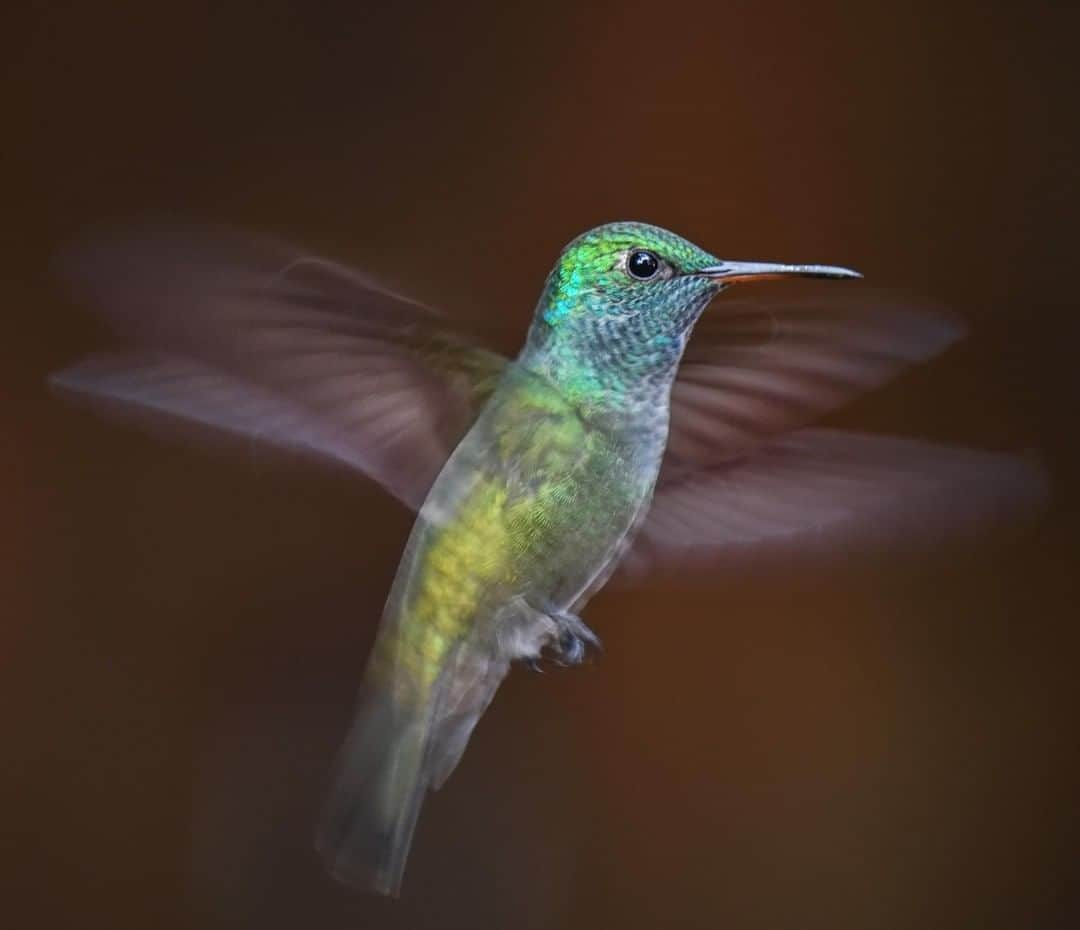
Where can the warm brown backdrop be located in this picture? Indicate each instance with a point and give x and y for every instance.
(840, 747)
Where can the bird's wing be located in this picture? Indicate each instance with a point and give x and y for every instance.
(754, 369)
(739, 474)
(831, 489)
(235, 337)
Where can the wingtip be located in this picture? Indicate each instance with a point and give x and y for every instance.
(64, 381)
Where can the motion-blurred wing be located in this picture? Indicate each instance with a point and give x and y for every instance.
(755, 369)
(257, 341)
(823, 488)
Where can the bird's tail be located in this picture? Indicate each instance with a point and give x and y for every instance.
(368, 822)
(395, 752)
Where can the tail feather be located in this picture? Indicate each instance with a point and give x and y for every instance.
(394, 753)
(367, 825)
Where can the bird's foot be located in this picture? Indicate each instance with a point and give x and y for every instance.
(573, 640)
(532, 635)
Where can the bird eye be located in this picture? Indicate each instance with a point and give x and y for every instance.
(642, 265)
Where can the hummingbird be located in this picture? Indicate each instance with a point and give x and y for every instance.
(612, 442)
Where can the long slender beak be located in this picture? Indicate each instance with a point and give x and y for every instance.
(733, 272)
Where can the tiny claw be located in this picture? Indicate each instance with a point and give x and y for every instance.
(575, 639)
(533, 665)
(571, 649)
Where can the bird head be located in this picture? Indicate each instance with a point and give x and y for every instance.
(631, 293)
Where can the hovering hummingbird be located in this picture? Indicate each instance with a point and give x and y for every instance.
(533, 478)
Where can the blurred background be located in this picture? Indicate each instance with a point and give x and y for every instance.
(884, 744)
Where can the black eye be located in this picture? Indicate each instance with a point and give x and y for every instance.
(642, 265)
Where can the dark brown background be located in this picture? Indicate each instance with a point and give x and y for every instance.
(840, 746)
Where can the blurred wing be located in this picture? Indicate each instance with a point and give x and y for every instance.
(752, 370)
(822, 488)
(256, 341)
(183, 398)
